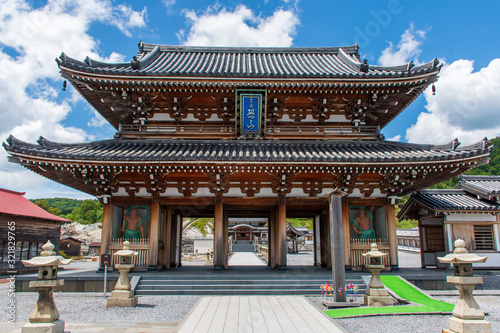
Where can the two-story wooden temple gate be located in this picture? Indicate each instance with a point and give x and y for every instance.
(267, 132)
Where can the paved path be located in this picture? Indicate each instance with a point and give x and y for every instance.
(76, 327)
(256, 314)
(245, 259)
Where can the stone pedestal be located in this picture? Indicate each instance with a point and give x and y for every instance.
(377, 297)
(56, 326)
(467, 315)
(122, 295)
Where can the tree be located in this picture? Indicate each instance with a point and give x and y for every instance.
(45, 205)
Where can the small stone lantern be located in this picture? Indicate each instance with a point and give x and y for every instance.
(467, 315)
(376, 294)
(123, 295)
(45, 317)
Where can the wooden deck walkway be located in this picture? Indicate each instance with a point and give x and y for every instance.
(256, 314)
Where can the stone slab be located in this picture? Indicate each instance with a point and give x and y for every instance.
(331, 305)
(52, 327)
(377, 300)
(123, 302)
(458, 325)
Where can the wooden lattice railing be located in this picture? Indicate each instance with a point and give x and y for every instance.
(140, 245)
(360, 246)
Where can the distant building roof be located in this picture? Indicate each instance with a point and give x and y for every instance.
(446, 201)
(487, 187)
(95, 244)
(14, 203)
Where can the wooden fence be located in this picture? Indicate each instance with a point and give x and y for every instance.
(360, 246)
(140, 245)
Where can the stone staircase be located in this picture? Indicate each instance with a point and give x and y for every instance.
(243, 246)
(227, 284)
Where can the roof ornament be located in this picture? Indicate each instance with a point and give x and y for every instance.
(433, 89)
(135, 64)
(364, 66)
(410, 65)
(141, 46)
(65, 84)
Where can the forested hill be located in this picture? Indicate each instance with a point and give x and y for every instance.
(491, 169)
(83, 211)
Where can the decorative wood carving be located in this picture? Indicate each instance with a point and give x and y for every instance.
(156, 184)
(218, 183)
(250, 188)
(275, 109)
(188, 188)
(226, 109)
(313, 188)
(281, 184)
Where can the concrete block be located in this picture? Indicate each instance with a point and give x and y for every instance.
(458, 325)
(377, 300)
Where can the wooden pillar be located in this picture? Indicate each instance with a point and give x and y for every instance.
(173, 239)
(390, 214)
(271, 231)
(167, 238)
(281, 236)
(337, 246)
(325, 260)
(346, 228)
(225, 239)
(107, 223)
(154, 234)
(218, 236)
(316, 241)
(178, 243)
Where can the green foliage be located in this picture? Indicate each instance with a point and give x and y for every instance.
(45, 205)
(65, 205)
(404, 224)
(89, 212)
(63, 254)
(200, 224)
(301, 222)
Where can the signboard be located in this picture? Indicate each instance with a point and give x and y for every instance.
(105, 259)
(250, 105)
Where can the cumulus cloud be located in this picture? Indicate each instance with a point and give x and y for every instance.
(466, 105)
(241, 27)
(30, 39)
(408, 48)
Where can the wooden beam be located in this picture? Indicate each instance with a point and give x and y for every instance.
(390, 214)
(225, 239)
(218, 236)
(107, 222)
(154, 233)
(167, 238)
(346, 228)
(281, 236)
(337, 247)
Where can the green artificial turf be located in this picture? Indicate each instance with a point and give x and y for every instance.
(405, 291)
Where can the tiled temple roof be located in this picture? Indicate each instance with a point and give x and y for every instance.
(486, 187)
(331, 151)
(247, 62)
(456, 200)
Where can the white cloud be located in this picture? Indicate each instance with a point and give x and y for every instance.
(466, 105)
(408, 48)
(397, 138)
(30, 40)
(241, 27)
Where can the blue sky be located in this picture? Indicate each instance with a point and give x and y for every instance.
(462, 34)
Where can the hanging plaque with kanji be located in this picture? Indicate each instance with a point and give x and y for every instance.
(251, 113)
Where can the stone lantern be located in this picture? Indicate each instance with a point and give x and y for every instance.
(467, 315)
(45, 317)
(123, 295)
(376, 294)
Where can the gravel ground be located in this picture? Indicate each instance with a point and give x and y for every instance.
(91, 307)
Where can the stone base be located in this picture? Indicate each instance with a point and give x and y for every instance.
(377, 292)
(56, 326)
(458, 325)
(122, 294)
(123, 302)
(330, 305)
(377, 300)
